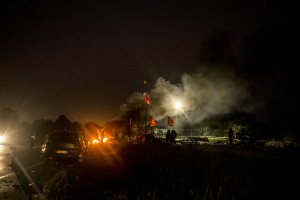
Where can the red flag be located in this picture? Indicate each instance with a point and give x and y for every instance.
(147, 100)
(153, 123)
(170, 121)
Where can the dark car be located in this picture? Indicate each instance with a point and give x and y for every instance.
(64, 146)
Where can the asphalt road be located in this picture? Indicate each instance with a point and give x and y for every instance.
(33, 172)
(10, 187)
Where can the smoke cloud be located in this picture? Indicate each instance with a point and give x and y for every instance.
(206, 93)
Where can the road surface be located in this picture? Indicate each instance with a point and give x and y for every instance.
(10, 187)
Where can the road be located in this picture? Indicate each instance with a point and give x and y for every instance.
(10, 187)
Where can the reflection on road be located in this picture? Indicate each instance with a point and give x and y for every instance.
(10, 187)
(5, 156)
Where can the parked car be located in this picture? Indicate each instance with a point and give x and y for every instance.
(64, 146)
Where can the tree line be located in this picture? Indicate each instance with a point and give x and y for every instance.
(276, 128)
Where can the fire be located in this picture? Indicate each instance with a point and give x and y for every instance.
(95, 141)
(105, 139)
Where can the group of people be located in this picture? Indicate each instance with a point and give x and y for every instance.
(171, 136)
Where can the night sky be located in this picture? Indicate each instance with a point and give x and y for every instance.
(88, 59)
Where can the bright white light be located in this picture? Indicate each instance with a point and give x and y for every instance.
(2, 138)
(177, 105)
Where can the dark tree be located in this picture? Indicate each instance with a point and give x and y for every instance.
(274, 129)
(9, 118)
(42, 127)
(62, 123)
(77, 126)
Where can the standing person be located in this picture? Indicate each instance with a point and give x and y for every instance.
(230, 135)
(168, 137)
(173, 136)
(46, 137)
(149, 137)
(32, 139)
(116, 136)
(102, 136)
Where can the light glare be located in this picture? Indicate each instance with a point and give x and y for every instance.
(177, 105)
(2, 138)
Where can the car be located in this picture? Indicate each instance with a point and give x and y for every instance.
(61, 146)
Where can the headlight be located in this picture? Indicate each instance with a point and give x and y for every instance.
(2, 138)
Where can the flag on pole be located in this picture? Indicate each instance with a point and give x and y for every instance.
(153, 123)
(147, 100)
(170, 121)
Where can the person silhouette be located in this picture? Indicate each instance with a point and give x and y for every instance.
(116, 136)
(168, 137)
(32, 139)
(173, 136)
(230, 136)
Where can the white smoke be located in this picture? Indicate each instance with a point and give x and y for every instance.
(202, 94)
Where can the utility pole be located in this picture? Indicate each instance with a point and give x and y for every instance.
(145, 87)
(139, 109)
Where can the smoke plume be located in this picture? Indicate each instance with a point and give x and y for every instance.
(206, 93)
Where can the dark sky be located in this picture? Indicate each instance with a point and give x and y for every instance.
(87, 59)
